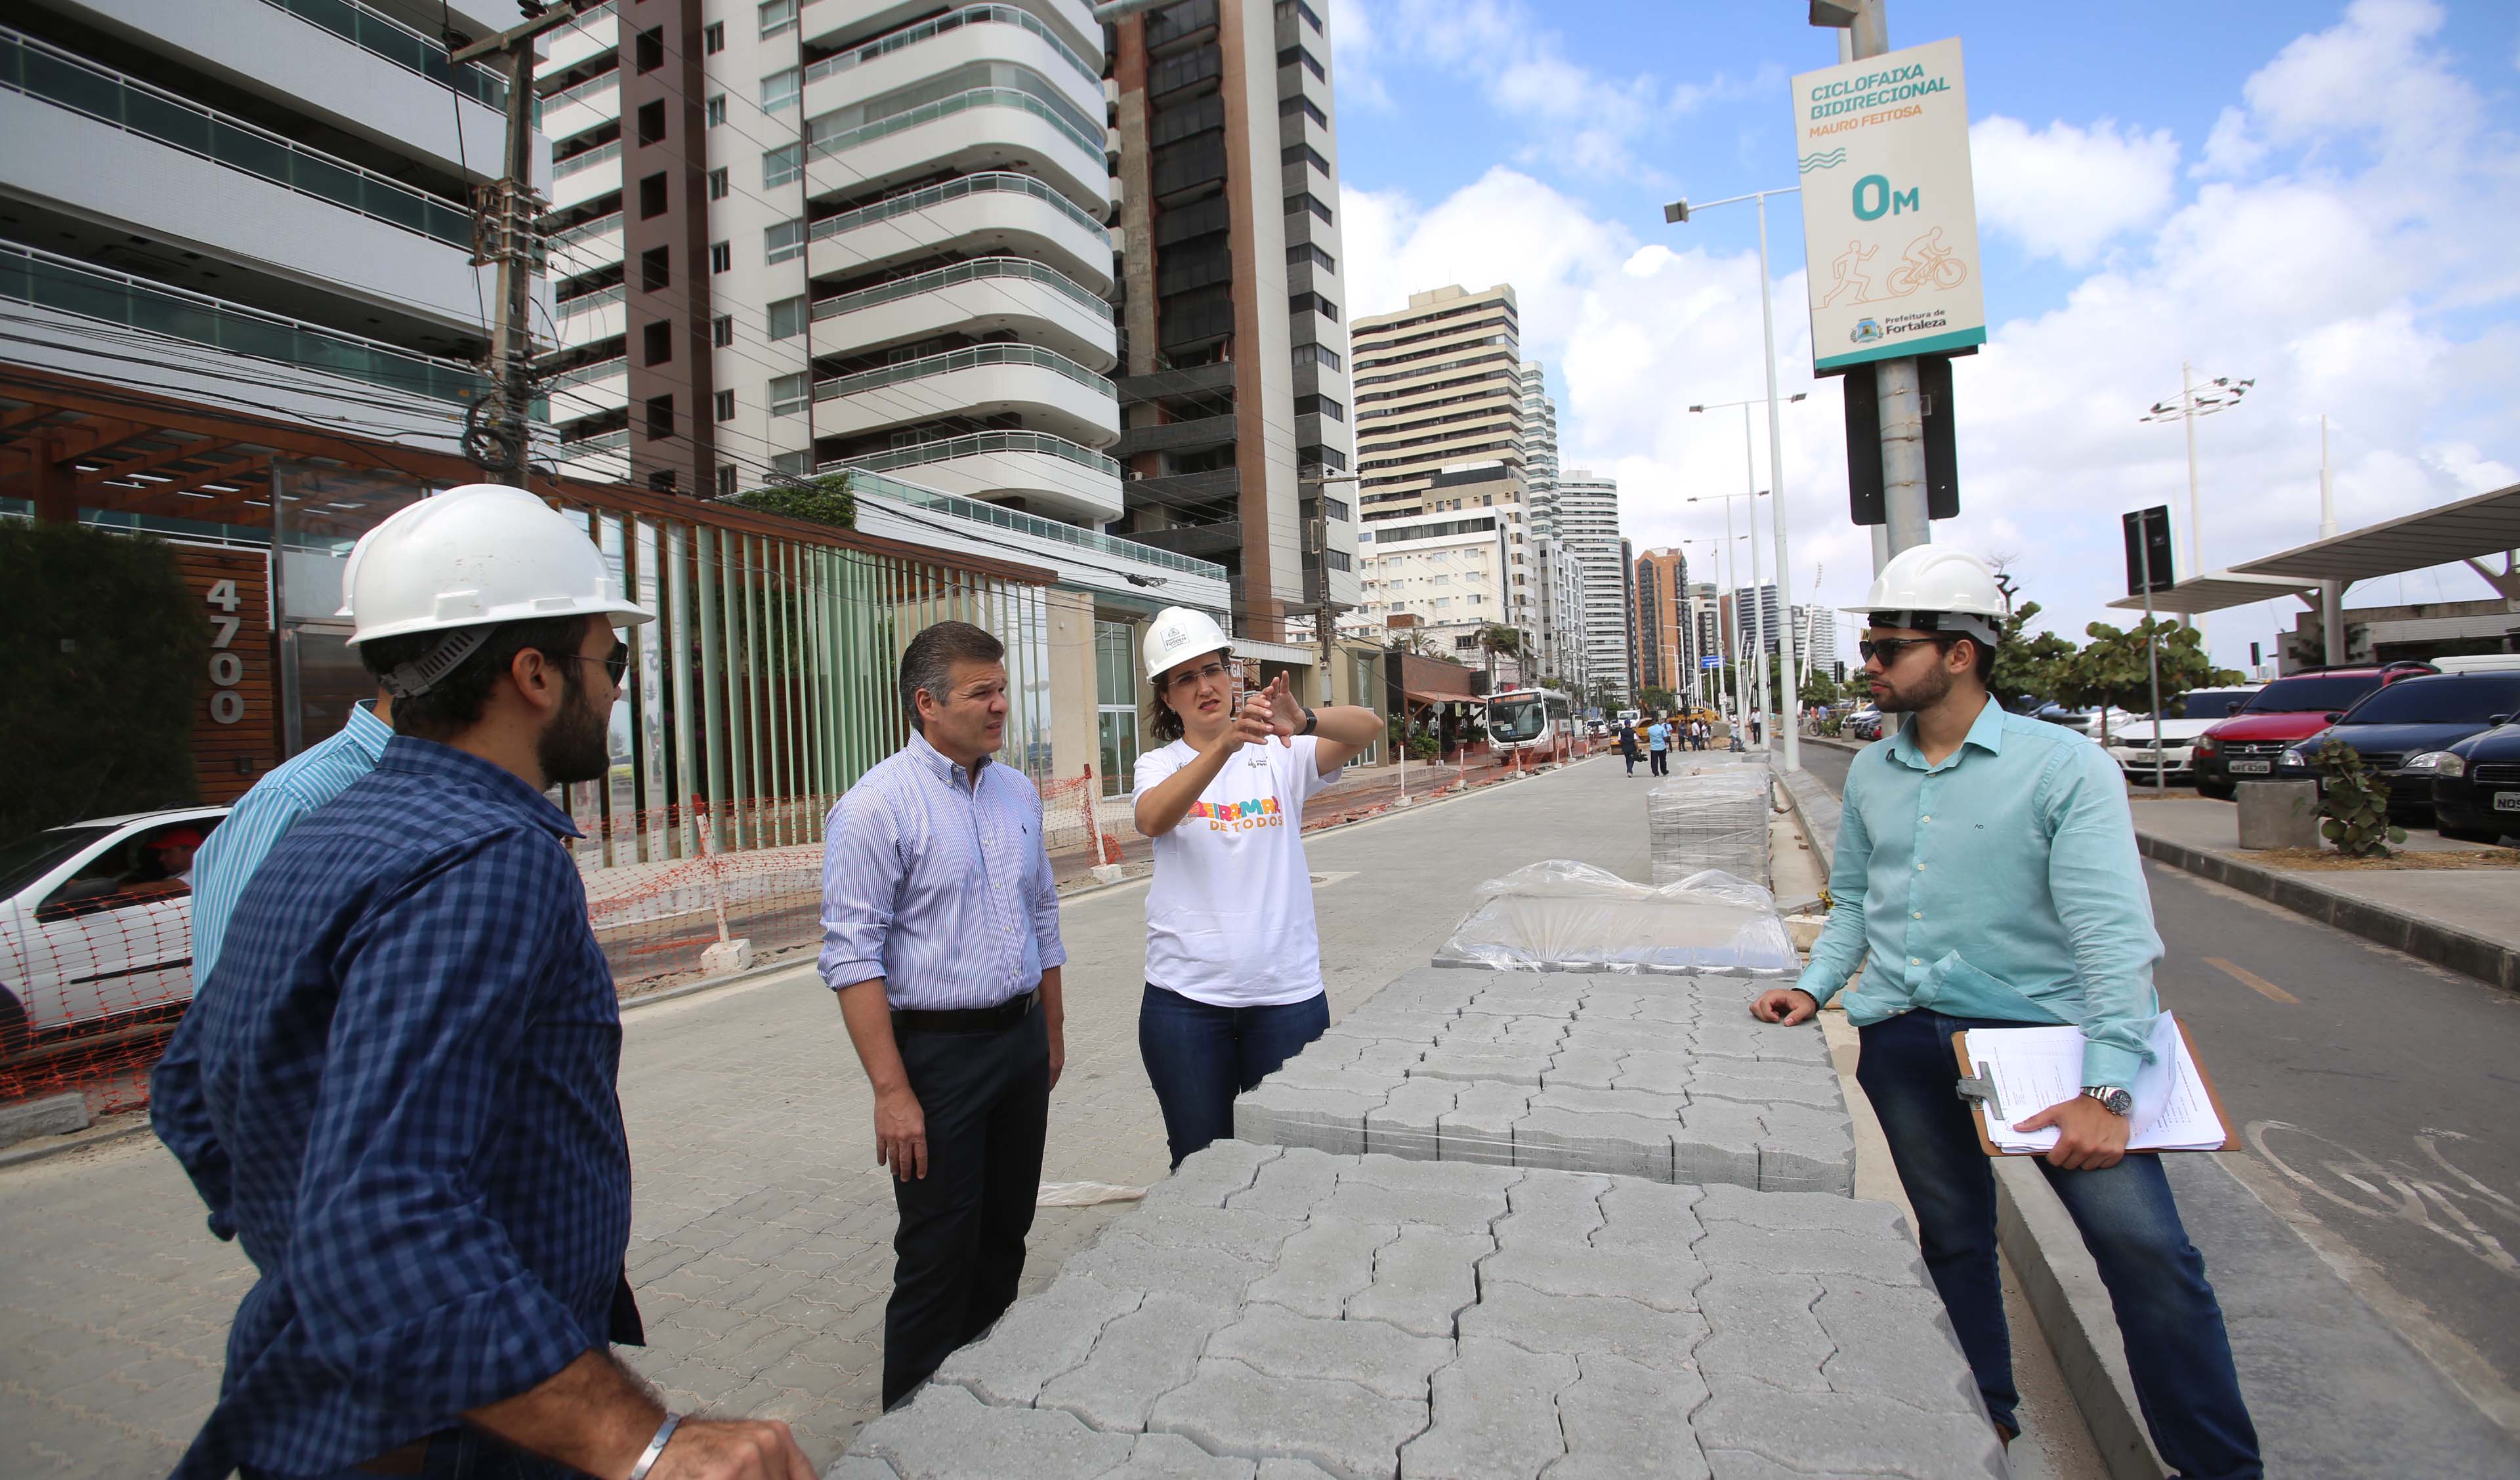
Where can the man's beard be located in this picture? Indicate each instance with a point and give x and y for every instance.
(577, 745)
(1925, 693)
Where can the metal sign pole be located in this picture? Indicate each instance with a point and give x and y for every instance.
(2152, 659)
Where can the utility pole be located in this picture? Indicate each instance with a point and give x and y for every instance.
(1903, 411)
(497, 431)
(2332, 591)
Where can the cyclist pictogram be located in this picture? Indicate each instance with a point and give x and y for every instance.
(1927, 263)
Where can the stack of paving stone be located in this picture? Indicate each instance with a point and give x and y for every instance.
(1284, 1314)
(1663, 1077)
(1710, 818)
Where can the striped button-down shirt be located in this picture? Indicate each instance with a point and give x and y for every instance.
(236, 848)
(938, 883)
(399, 1093)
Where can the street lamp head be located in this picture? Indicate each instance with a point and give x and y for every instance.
(1693, 410)
(1799, 395)
(1676, 212)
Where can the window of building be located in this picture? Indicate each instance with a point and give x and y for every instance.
(726, 484)
(1311, 19)
(719, 186)
(1295, 54)
(787, 317)
(655, 269)
(725, 405)
(1313, 302)
(1303, 154)
(721, 257)
(1337, 508)
(648, 50)
(1336, 560)
(1317, 355)
(650, 121)
(781, 89)
(784, 240)
(1305, 251)
(656, 342)
(712, 42)
(1307, 202)
(660, 417)
(661, 480)
(717, 110)
(778, 15)
(1300, 104)
(781, 164)
(651, 196)
(1320, 405)
(1115, 702)
(790, 393)
(722, 329)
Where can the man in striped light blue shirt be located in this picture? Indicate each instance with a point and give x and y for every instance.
(304, 781)
(940, 937)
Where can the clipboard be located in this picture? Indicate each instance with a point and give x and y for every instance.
(1977, 1090)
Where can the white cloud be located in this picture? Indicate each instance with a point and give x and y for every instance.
(2358, 279)
(2066, 191)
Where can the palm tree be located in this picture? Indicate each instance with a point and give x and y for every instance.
(1496, 638)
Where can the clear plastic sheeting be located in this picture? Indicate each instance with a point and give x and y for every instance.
(1710, 818)
(1564, 916)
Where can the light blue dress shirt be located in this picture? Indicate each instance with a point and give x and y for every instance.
(2004, 883)
(263, 816)
(938, 883)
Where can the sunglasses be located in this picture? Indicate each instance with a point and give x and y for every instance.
(616, 663)
(1888, 649)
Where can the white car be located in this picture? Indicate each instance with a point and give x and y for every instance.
(2130, 738)
(96, 922)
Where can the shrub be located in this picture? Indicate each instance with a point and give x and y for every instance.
(2355, 803)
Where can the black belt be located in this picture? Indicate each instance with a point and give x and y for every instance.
(966, 1019)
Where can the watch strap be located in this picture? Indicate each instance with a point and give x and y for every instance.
(1311, 721)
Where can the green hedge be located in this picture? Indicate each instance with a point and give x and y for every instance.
(826, 501)
(105, 658)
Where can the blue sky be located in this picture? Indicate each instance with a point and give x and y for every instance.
(2321, 195)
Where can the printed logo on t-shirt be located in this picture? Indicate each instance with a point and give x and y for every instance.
(1239, 817)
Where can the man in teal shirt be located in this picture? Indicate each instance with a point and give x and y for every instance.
(1986, 876)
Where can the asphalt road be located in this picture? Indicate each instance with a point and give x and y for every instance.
(2377, 1090)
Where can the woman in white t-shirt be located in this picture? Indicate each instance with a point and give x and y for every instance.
(1234, 958)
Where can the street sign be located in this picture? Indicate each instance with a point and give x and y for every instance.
(1710, 661)
(1890, 245)
(2147, 550)
(1862, 403)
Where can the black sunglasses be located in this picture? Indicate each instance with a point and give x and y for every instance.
(1888, 649)
(616, 663)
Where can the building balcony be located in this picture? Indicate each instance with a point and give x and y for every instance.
(603, 460)
(584, 248)
(958, 37)
(992, 295)
(1222, 538)
(1194, 435)
(992, 212)
(589, 390)
(589, 104)
(1180, 490)
(981, 129)
(1045, 472)
(1047, 389)
(592, 319)
(581, 178)
(589, 36)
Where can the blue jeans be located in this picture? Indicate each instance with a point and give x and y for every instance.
(2175, 1343)
(1199, 1056)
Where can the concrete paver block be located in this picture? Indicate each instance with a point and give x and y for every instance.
(1515, 1065)
(1764, 1328)
(1124, 1261)
(1479, 1128)
(1552, 1210)
(1212, 1179)
(1622, 1419)
(947, 1434)
(1375, 1355)
(1717, 1142)
(1232, 1409)
(1141, 1357)
(1038, 1340)
(1586, 1069)
(1877, 1331)
(1625, 1145)
(1664, 1280)
(1326, 1120)
(1495, 1413)
(1582, 1325)
(1406, 1123)
(1325, 1266)
(1843, 1433)
(1170, 1457)
(1289, 1186)
(1422, 1279)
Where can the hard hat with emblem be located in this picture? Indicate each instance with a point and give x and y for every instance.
(1934, 588)
(466, 562)
(1178, 634)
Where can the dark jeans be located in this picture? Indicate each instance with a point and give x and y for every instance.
(1201, 1057)
(1631, 756)
(1663, 763)
(960, 1247)
(2175, 1342)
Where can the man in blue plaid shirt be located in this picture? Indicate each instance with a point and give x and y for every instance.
(398, 1089)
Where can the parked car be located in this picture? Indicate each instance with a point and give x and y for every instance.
(96, 922)
(2405, 731)
(2085, 722)
(2184, 718)
(2279, 716)
(1865, 723)
(2476, 786)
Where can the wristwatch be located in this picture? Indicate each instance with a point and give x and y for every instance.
(2113, 1099)
(1311, 721)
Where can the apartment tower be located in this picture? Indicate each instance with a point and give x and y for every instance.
(1439, 385)
(791, 239)
(1587, 523)
(1666, 637)
(1235, 385)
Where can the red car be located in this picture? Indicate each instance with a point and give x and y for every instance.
(2282, 715)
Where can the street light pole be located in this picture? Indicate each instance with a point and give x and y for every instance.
(1790, 702)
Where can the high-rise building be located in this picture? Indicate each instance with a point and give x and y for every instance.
(1587, 522)
(1666, 636)
(1815, 636)
(251, 206)
(1706, 625)
(1455, 571)
(801, 238)
(1236, 372)
(1762, 623)
(1558, 606)
(1439, 385)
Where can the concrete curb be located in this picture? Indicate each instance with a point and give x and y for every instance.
(60, 1145)
(2488, 960)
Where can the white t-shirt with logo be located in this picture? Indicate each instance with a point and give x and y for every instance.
(1229, 914)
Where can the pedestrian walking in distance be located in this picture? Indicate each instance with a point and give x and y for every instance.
(1628, 744)
(1233, 955)
(397, 1090)
(1987, 872)
(940, 938)
(1659, 740)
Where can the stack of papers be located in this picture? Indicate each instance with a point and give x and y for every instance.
(2033, 1068)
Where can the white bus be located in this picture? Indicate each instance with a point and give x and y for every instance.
(1541, 720)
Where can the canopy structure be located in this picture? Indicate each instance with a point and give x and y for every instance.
(2218, 589)
(2468, 530)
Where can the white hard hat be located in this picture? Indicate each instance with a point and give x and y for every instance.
(1178, 634)
(1934, 588)
(475, 557)
(359, 551)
